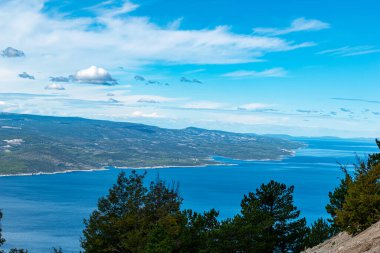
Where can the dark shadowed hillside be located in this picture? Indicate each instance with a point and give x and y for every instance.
(31, 144)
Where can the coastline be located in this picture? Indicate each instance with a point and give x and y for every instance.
(280, 158)
(50, 173)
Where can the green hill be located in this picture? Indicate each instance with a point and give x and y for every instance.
(32, 144)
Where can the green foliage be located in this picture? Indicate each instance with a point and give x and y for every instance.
(337, 198)
(117, 224)
(134, 218)
(198, 231)
(319, 232)
(56, 144)
(57, 250)
(18, 250)
(362, 203)
(2, 240)
(355, 204)
(269, 222)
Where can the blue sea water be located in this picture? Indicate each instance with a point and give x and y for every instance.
(43, 211)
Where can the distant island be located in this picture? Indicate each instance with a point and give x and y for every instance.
(41, 144)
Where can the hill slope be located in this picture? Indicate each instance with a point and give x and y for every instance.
(367, 241)
(31, 144)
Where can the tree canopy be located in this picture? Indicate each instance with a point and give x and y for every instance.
(135, 218)
(355, 204)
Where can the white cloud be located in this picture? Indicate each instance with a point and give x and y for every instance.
(207, 105)
(274, 72)
(351, 51)
(145, 115)
(54, 86)
(148, 99)
(298, 25)
(118, 39)
(175, 25)
(194, 71)
(254, 106)
(94, 75)
(111, 12)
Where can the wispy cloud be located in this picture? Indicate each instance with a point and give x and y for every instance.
(61, 79)
(108, 10)
(194, 71)
(254, 107)
(148, 101)
(346, 110)
(121, 36)
(274, 72)
(175, 24)
(351, 51)
(298, 25)
(307, 111)
(204, 105)
(187, 80)
(358, 100)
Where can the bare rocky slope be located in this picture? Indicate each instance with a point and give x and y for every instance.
(367, 241)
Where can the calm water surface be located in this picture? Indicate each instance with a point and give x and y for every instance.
(47, 210)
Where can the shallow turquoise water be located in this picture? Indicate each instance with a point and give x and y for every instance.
(47, 210)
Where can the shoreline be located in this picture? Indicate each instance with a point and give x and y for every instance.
(280, 158)
(50, 173)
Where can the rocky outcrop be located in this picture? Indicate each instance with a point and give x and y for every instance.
(367, 241)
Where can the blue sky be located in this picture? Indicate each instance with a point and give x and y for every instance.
(287, 67)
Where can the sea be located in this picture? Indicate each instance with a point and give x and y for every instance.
(45, 211)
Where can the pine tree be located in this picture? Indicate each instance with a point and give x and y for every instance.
(2, 240)
(337, 198)
(118, 224)
(359, 207)
(319, 232)
(269, 222)
(198, 234)
(134, 218)
(18, 251)
(362, 203)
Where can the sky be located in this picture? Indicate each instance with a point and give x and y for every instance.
(297, 67)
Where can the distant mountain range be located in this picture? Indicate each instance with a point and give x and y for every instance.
(34, 144)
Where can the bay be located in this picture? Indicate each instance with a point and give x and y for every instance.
(42, 211)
